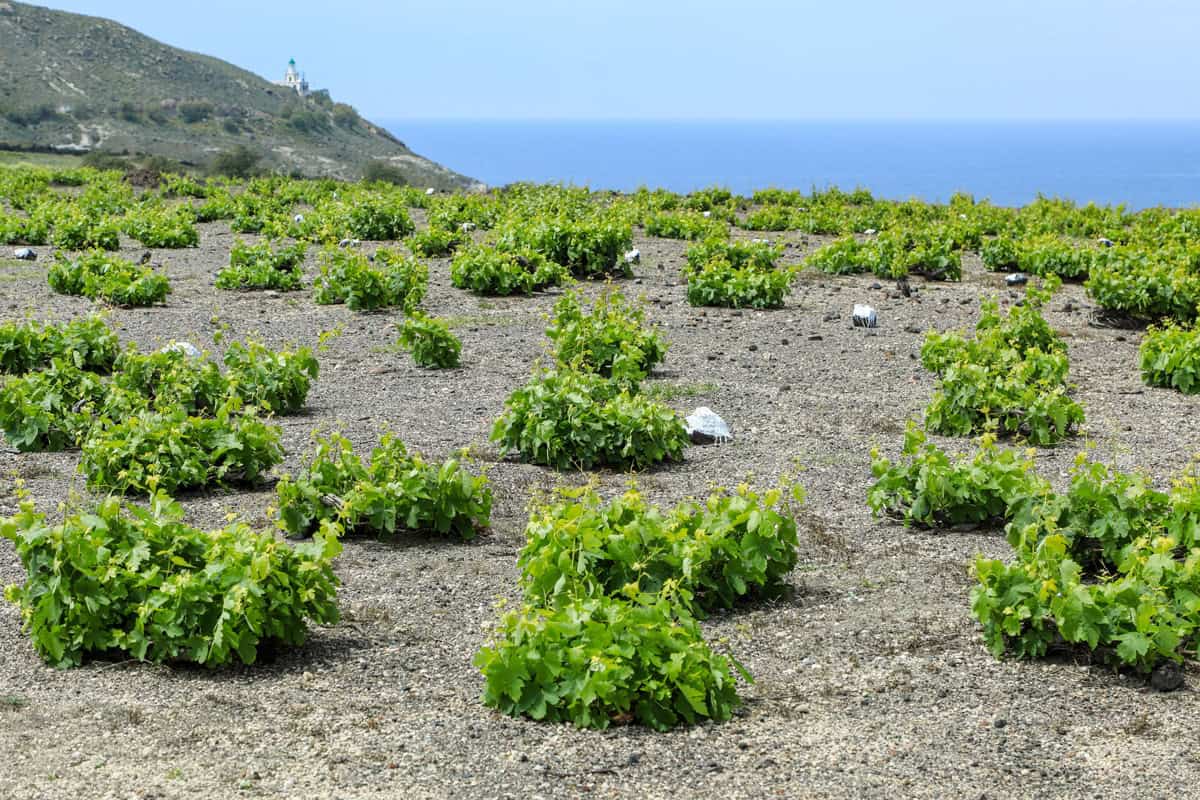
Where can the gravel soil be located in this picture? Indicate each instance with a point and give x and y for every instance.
(871, 678)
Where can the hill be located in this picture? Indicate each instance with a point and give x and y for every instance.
(76, 83)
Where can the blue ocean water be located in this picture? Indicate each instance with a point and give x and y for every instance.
(1139, 164)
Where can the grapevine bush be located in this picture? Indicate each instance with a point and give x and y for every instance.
(277, 381)
(569, 419)
(263, 266)
(929, 488)
(690, 225)
(49, 409)
(99, 276)
(138, 581)
(705, 555)
(1010, 378)
(436, 242)
(844, 256)
(600, 660)
(159, 226)
(172, 451)
(88, 343)
(611, 340)
(736, 275)
(487, 270)
(1112, 567)
(378, 217)
(1170, 357)
(590, 247)
(399, 490)
(430, 341)
(74, 228)
(348, 276)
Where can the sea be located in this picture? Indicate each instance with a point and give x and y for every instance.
(1138, 164)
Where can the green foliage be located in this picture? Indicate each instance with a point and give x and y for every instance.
(590, 247)
(236, 162)
(844, 256)
(50, 409)
(175, 185)
(769, 218)
(704, 556)
(1145, 283)
(928, 488)
(121, 578)
(1001, 254)
(487, 270)
(736, 275)
(253, 213)
(378, 218)
(164, 380)
(757, 255)
(277, 381)
(169, 450)
(376, 170)
(566, 419)
(430, 341)
(88, 343)
(690, 225)
(436, 242)
(114, 280)
(348, 276)
(218, 205)
(1112, 567)
(720, 283)
(612, 340)
(450, 212)
(1022, 329)
(23, 230)
(1170, 357)
(159, 226)
(1051, 255)
(931, 252)
(714, 199)
(262, 266)
(75, 228)
(774, 196)
(1010, 378)
(399, 490)
(193, 111)
(599, 660)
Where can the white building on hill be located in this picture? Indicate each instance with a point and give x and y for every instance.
(294, 80)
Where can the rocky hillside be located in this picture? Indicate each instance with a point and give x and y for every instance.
(79, 83)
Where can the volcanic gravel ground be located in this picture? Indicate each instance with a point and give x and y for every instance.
(871, 678)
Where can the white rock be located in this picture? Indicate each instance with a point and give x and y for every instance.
(430, 191)
(187, 348)
(705, 427)
(707, 214)
(25, 254)
(634, 256)
(864, 316)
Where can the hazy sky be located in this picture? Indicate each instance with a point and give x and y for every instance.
(833, 59)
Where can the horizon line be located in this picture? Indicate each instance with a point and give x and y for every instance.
(792, 120)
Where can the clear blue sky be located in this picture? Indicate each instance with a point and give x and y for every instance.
(671, 59)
